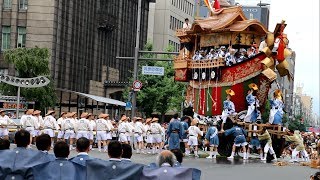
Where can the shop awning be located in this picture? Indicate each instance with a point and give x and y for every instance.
(98, 98)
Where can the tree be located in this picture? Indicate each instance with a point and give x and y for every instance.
(28, 63)
(158, 93)
(296, 124)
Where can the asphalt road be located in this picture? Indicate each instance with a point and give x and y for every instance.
(223, 169)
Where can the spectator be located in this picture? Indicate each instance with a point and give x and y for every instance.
(61, 168)
(114, 151)
(4, 144)
(20, 159)
(166, 158)
(126, 153)
(83, 148)
(179, 156)
(186, 24)
(43, 143)
(316, 176)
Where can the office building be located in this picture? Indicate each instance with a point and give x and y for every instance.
(165, 17)
(84, 38)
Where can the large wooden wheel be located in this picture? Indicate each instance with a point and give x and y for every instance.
(225, 142)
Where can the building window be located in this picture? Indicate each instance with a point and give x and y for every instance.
(21, 37)
(23, 4)
(6, 30)
(7, 4)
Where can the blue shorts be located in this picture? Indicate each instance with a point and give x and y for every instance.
(240, 140)
(254, 142)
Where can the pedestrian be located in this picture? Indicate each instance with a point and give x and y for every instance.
(102, 129)
(156, 135)
(175, 131)
(193, 131)
(265, 136)
(139, 129)
(298, 141)
(83, 126)
(4, 144)
(83, 149)
(4, 122)
(213, 139)
(43, 143)
(60, 168)
(126, 153)
(68, 126)
(59, 122)
(239, 135)
(49, 125)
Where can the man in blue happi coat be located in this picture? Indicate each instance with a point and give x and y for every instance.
(61, 168)
(239, 135)
(15, 163)
(83, 148)
(175, 133)
(43, 143)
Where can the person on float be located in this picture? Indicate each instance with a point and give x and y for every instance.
(213, 139)
(228, 107)
(276, 111)
(253, 103)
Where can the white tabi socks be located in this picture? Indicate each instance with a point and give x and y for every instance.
(232, 155)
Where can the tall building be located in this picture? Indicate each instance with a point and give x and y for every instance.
(303, 105)
(84, 38)
(165, 17)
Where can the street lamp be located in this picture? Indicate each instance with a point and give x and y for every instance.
(35, 82)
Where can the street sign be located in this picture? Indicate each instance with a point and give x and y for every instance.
(128, 106)
(137, 85)
(153, 70)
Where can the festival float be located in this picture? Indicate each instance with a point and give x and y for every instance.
(228, 51)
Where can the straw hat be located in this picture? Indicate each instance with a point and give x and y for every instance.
(72, 114)
(148, 120)
(49, 112)
(29, 111)
(84, 115)
(62, 113)
(155, 119)
(253, 86)
(2, 110)
(138, 119)
(103, 115)
(90, 114)
(194, 122)
(36, 112)
(123, 118)
(230, 92)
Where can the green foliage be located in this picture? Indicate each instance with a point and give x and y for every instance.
(28, 63)
(296, 124)
(158, 93)
(266, 112)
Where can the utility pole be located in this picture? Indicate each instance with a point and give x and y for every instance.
(135, 67)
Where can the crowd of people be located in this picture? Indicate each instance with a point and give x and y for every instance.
(230, 55)
(25, 163)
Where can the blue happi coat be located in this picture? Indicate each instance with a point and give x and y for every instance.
(212, 136)
(174, 137)
(276, 111)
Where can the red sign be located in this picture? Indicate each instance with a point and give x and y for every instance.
(13, 106)
(137, 85)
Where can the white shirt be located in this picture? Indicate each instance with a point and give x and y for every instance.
(92, 125)
(50, 122)
(156, 128)
(186, 26)
(102, 125)
(124, 127)
(139, 127)
(5, 120)
(39, 120)
(29, 121)
(68, 124)
(194, 131)
(83, 125)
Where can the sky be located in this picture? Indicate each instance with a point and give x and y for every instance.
(302, 18)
